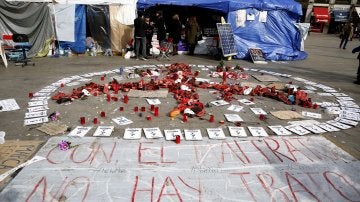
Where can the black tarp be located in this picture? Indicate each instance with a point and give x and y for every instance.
(98, 20)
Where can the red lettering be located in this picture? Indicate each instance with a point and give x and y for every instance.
(268, 187)
(198, 153)
(140, 161)
(342, 186)
(169, 194)
(197, 190)
(55, 197)
(309, 174)
(232, 152)
(304, 189)
(98, 148)
(261, 152)
(243, 180)
(42, 181)
(80, 161)
(304, 145)
(274, 150)
(292, 149)
(75, 183)
(242, 152)
(162, 155)
(135, 190)
(48, 156)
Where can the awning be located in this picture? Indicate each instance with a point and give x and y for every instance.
(358, 11)
(321, 14)
(341, 16)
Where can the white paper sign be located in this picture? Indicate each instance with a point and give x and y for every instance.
(35, 114)
(344, 98)
(351, 109)
(73, 83)
(38, 108)
(9, 105)
(42, 94)
(233, 117)
(37, 103)
(311, 114)
(240, 18)
(235, 108)
(325, 94)
(310, 87)
(152, 133)
(279, 130)
(132, 133)
(258, 111)
(219, 102)
(237, 131)
(262, 16)
(350, 115)
(246, 102)
(216, 133)
(39, 99)
(340, 94)
(122, 121)
(250, 17)
(347, 121)
(153, 101)
(328, 104)
(192, 134)
(297, 129)
(257, 131)
(338, 125)
(80, 131)
(315, 129)
(327, 127)
(35, 121)
(171, 134)
(103, 131)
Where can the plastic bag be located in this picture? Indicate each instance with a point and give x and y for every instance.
(127, 55)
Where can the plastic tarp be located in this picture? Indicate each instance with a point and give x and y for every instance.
(120, 32)
(274, 32)
(79, 46)
(64, 22)
(99, 24)
(32, 19)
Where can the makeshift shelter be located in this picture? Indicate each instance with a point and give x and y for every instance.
(266, 24)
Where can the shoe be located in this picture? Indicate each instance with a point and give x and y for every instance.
(143, 59)
(344, 48)
(137, 58)
(357, 82)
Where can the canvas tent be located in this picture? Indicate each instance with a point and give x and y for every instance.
(266, 24)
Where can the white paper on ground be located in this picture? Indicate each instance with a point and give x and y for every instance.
(35, 114)
(310, 88)
(332, 110)
(152, 133)
(9, 105)
(329, 104)
(39, 94)
(132, 133)
(202, 80)
(344, 98)
(311, 114)
(297, 129)
(246, 102)
(153, 101)
(233, 117)
(171, 134)
(75, 83)
(80, 131)
(257, 131)
(235, 108)
(39, 99)
(216, 133)
(122, 121)
(347, 121)
(37, 103)
(192, 134)
(258, 111)
(36, 121)
(279, 130)
(237, 131)
(304, 122)
(103, 131)
(338, 125)
(351, 109)
(38, 108)
(328, 127)
(340, 94)
(350, 115)
(314, 129)
(219, 102)
(325, 94)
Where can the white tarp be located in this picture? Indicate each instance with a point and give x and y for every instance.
(65, 22)
(111, 169)
(358, 11)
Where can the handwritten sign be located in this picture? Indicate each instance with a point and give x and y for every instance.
(192, 134)
(103, 131)
(80, 131)
(132, 133)
(152, 133)
(171, 134)
(215, 133)
(237, 131)
(9, 105)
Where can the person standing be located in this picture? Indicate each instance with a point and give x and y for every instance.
(160, 26)
(140, 38)
(357, 49)
(192, 28)
(175, 32)
(149, 32)
(345, 35)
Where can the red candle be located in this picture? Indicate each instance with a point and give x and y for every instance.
(126, 99)
(142, 109)
(82, 120)
(136, 109)
(115, 99)
(177, 139)
(262, 117)
(108, 97)
(102, 78)
(95, 121)
(62, 85)
(102, 114)
(252, 99)
(95, 94)
(184, 118)
(211, 118)
(152, 107)
(315, 106)
(121, 109)
(156, 113)
(31, 95)
(148, 118)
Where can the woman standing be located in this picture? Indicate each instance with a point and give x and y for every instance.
(175, 32)
(192, 28)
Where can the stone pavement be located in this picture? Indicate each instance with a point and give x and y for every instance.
(326, 64)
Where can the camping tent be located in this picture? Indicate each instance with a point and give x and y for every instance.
(265, 24)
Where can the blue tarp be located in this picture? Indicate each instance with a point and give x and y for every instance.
(278, 37)
(79, 46)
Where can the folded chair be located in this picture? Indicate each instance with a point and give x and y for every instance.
(165, 49)
(22, 44)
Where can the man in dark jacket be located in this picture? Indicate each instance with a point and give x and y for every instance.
(140, 37)
(357, 49)
(160, 26)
